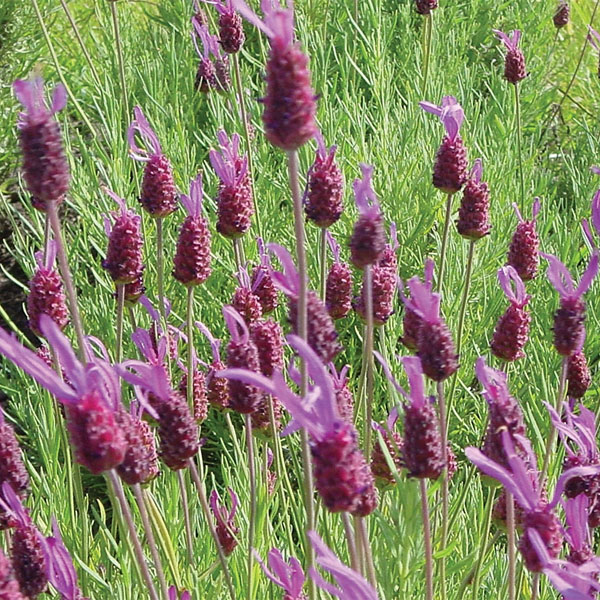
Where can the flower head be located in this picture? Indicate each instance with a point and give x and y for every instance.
(338, 287)
(450, 113)
(514, 66)
(474, 214)
(225, 518)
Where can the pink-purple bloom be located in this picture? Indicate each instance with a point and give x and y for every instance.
(474, 213)
(514, 65)
(338, 286)
(227, 530)
(287, 575)
(523, 253)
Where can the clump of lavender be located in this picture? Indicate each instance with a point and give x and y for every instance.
(514, 61)
(217, 388)
(244, 300)
(323, 200)
(290, 102)
(234, 198)
(287, 575)
(46, 295)
(338, 286)
(45, 167)
(512, 330)
(569, 328)
(523, 253)
(227, 530)
(158, 194)
(367, 242)
(262, 283)
(123, 260)
(394, 444)
(322, 336)
(192, 256)
(343, 395)
(561, 16)
(450, 168)
(411, 321)
(474, 213)
(424, 7)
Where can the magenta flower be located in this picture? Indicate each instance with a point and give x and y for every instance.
(206, 76)
(287, 575)
(262, 283)
(234, 200)
(290, 102)
(514, 61)
(350, 584)
(474, 213)
(45, 167)
(395, 447)
(217, 388)
(226, 529)
(450, 169)
(158, 194)
(424, 7)
(338, 287)
(569, 328)
(523, 253)
(367, 242)
(244, 300)
(561, 16)
(173, 595)
(343, 394)
(231, 31)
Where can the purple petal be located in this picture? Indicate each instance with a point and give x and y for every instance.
(477, 170)
(504, 38)
(559, 276)
(414, 372)
(236, 325)
(588, 276)
(266, 571)
(289, 279)
(390, 377)
(59, 98)
(431, 108)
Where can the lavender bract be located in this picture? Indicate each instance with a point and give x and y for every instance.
(227, 531)
(287, 575)
(411, 321)
(262, 283)
(514, 61)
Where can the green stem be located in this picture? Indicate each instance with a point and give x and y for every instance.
(252, 476)
(445, 503)
(489, 505)
(190, 348)
(535, 586)
(120, 309)
(115, 21)
(444, 248)
(427, 40)
(368, 351)
(510, 541)
(366, 544)
(323, 262)
(520, 148)
(427, 540)
(189, 544)
(354, 563)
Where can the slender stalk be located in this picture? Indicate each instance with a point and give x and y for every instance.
(132, 318)
(252, 475)
(80, 41)
(190, 348)
(368, 351)
(535, 586)
(366, 544)
(552, 436)
(115, 21)
(302, 328)
(323, 262)
(189, 544)
(351, 542)
(120, 309)
(360, 551)
(510, 541)
(211, 527)
(139, 498)
(160, 272)
(47, 236)
(444, 249)
(444, 534)
(63, 263)
(246, 128)
(133, 536)
(520, 148)
(489, 505)
(238, 252)
(427, 39)
(468, 578)
(427, 540)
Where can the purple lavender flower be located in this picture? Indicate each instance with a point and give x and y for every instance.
(514, 61)
(338, 287)
(217, 388)
(287, 575)
(234, 200)
(569, 328)
(44, 164)
(367, 242)
(578, 534)
(579, 378)
(9, 586)
(394, 444)
(474, 213)
(343, 395)
(262, 283)
(206, 75)
(46, 294)
(244, 300)
(323, 200)
(322, 335)
(192, 257)
(512, 330)
(290, 102)
(351, 585)
(561, 16)
(158, 194)
(450, 169)
(424, 7)
(523, 253)
(123, 260)
(173, 595)
(231, 30)
(226, 529)
(411, 321)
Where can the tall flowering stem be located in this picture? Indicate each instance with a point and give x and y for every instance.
(426, 47)
(427, 540)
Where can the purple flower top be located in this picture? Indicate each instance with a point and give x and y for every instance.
(173, 595)
(352, 586)
(580, 429)
(519, 480)
(223, 7)
(534, 212)
(215, 343)
(364, 194)
(506, 277)
(288, 281)
(223, 515)
(576, 516)
(141, 125)
(427, 278)
(210, 43)
(30, 93)
(394, 244)
(338, 379)
(450, 112)
(236, 325)
(494, 382)
(59, 565)
(333, 246)
(193, 202)
(561, 279)
(287, 575)
(230, 167)
(594, 38)
(317, 412)
(265, 259)
(390, 422)
(511, 41)
(422, 301)
(322, 151)
(414, 372)
(11, 503)
(277, 24)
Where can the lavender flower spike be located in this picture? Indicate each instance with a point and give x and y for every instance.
(289, 577)
(173, 595)
(206, 76)
(226, 528)
(450, 113)
(351, 585)
(569, 330)
(514, 65)
(231, 31)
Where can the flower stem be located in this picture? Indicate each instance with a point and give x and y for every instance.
(67, 278)
(351, 542)
(427, 540)
(137, 547)
(535, 586)
(366, 544)
(160, 273)
(246, 127)
(520, 148)
(139, 498)
(120, 309)
(190, 348)
(252, 475)
(486, 532)
(444, 249)
(444, 534)
(211, 527)
(368, 352)
(302, 328)
(427, 39)
(115, 21)
(510, 541)
(186, 516)
(323, 262)
(47, 236)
